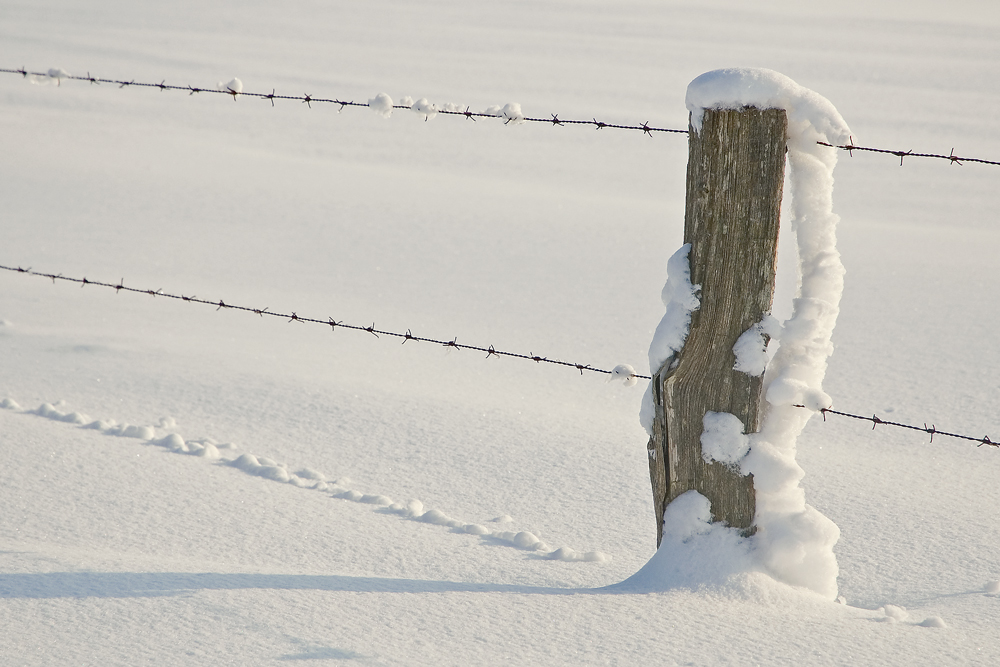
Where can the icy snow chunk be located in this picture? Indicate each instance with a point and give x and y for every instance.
(790, 391)
(208, 451)
(436, 517)
(503, 518)
(131, 431)
(526, 540)
(751, 347)
(933, 622)
(425, 108)
(234, 87)
(512, 112)
(476, 529)
(374, 499)
(351, 495)
(309, 473)
(895, 614)
(245, 462)
(381, 104)
(274, 473)
(9, 404)
(992, 587)
(723, 439)
(172, 441)
(49, 411)
(570, 556)
(625, 373)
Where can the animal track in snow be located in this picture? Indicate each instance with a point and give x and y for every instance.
(266, 468)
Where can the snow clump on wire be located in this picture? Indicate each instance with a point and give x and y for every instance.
(234, 87)
(381, 104)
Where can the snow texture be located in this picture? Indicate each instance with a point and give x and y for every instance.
(424, 108)
(381, 104)
(511, 111)
(234, 87)
(680, 298)
(723, 439)
(625, 373)
(751, 346)
(121, 551)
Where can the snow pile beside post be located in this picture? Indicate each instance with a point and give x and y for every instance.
(793, 542)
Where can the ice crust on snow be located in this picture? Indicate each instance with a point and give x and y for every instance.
(793, 542)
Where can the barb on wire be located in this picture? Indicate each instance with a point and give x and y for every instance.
(952, 158)
(931, 430)
(553, 119)
(309, 100)
(328, 322)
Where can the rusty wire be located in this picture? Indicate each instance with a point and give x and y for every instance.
(331, 322)
(553, 119)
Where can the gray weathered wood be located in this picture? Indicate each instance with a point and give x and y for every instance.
(734, 184)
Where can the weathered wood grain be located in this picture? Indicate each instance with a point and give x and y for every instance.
(734, 187)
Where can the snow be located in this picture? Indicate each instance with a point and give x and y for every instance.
(680, 298)
(234, 87)
(501, 237)
(723, 438)
(381, 104)
(424, 108)
(625, 373)
(751, 347)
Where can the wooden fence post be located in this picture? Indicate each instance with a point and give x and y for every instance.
(735, 173)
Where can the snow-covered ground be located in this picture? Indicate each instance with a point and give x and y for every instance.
(117, 549)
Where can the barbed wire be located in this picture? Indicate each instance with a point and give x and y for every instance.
(309, 100)
(553, 119)
(454, 344)
(331, 322)
(952, 158)
(932, 429)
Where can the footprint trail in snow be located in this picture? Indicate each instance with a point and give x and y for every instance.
(307, 478)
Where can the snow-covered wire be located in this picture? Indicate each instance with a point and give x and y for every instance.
(383, 106)
(421, 106)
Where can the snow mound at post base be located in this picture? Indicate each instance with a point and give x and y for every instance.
(794, 542)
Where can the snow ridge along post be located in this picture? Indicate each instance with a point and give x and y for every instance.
(791, 541)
